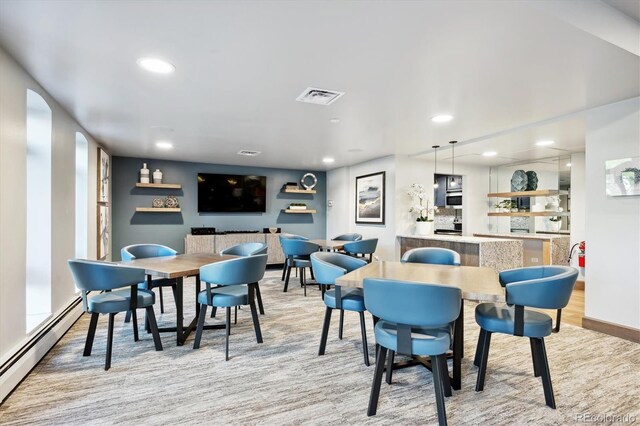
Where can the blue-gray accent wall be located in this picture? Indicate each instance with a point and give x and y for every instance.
(129, 227)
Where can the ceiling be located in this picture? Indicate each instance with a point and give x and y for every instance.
(504, 70)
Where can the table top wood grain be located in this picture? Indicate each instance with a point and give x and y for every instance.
(181, 265)
(476, 283)
(329, 244)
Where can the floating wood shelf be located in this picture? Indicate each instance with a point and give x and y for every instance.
(299, 211)
(159, 185)
(536, 193)
(299, 191)
(529, 214)
(158, 210)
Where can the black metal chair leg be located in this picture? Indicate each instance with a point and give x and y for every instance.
(545, 373)
(365, 348)
(476, 359)
(254, 314)
(286, 280)
(201, 318)
(161, 300)
(377, 381)
(107, 363)
(390, 360)
(235, 316)
(303, 281)
(214, 310)
(91, 333)
(127, 317)
(534, 357)
(227, 332)
(484, 355)
(311, 271)
(134, 317)
(341, 324)
(259, 298)
(325, 330)
(284, 269)
(154, 328)
(444, 372)
(436, 364)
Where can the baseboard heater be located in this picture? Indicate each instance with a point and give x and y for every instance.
(33, 341)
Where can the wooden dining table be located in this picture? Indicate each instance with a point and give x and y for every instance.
(179, 267)
(478, 284)
(329, 245)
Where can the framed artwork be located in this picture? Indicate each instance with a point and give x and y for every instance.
(370, 198)
(622, 177)
(104, 165)
(103, 231)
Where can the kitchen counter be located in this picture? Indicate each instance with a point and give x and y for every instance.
(496, 253)
(551, 249)
(515, 235)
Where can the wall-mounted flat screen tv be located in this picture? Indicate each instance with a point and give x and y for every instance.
(231, 193)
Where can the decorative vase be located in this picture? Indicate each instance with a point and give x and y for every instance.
(532, 181)
(424, 228)
(157, 176)
(554, 226)
(144, 174)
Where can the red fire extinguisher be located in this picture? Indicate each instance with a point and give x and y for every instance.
(581, 253)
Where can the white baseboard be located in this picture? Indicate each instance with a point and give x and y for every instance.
(21, 368)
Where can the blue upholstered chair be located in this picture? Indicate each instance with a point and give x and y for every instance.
(120, 294)
(247, 249)
(297, 255)
(328, 267)
(143, 251)
(543, 287)
(413, 319)
(361, 248)
(286, 236)
(348, 237)
(432, 255)
(235, 280)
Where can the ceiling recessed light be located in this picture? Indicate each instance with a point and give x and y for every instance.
(156, 65)
(545, 143)
(442, 118)
(489, 154)
(568, 164)
(164, 145)
(328, 160)
(249, 152)
(334, 120)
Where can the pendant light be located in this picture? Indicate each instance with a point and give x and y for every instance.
(453, 182)
(435, 164)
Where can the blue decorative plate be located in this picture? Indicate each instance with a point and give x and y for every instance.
(519, 181)
(532, 181)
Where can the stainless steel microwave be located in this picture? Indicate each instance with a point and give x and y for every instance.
(453, 200)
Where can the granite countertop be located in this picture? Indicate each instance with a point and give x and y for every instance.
(456, 239)
(522, 236)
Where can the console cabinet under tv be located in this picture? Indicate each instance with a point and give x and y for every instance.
(217, 243)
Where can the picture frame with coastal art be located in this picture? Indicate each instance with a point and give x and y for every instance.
(103, 231)
(104, 165)
(370, 198)
(622, 177)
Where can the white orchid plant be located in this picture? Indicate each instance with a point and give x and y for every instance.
(421, 204)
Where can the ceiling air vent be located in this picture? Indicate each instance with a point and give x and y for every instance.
(248, 152)
(317, 96)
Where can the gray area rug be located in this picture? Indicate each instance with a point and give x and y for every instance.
(284, 381)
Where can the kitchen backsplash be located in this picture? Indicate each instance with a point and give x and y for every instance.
(444, 217)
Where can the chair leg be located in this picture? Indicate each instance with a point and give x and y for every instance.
(107, 363)
(134, 324)
(436, 364)
(254, 314)
(201, 318)
(446, 379)
(154, 328)
(484, 355)
(377, 381)
(311, 271)
(91, 334)
(341, 324)
(323, 290)
(235, 316)
(534, 357)
(259, 298)
(286, 280)
(545, 373)
(226, 335)
(476, 360)
(325, 330)
(390, 360)
(365, 348)
(284, 269)
(161, 300)
(127, 317)
(303, 281)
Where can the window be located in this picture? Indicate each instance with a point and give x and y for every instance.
(82, 189)
(38, 256)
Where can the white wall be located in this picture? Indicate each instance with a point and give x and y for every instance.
(612, 223)
(578, 200)
(14, 82)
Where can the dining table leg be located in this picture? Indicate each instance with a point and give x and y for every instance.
(179, 311)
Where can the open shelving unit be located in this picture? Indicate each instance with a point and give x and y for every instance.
(159, 185)
(536, 193)
(298, 191)
(299, 211)
(528, 214)
(158, 209)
